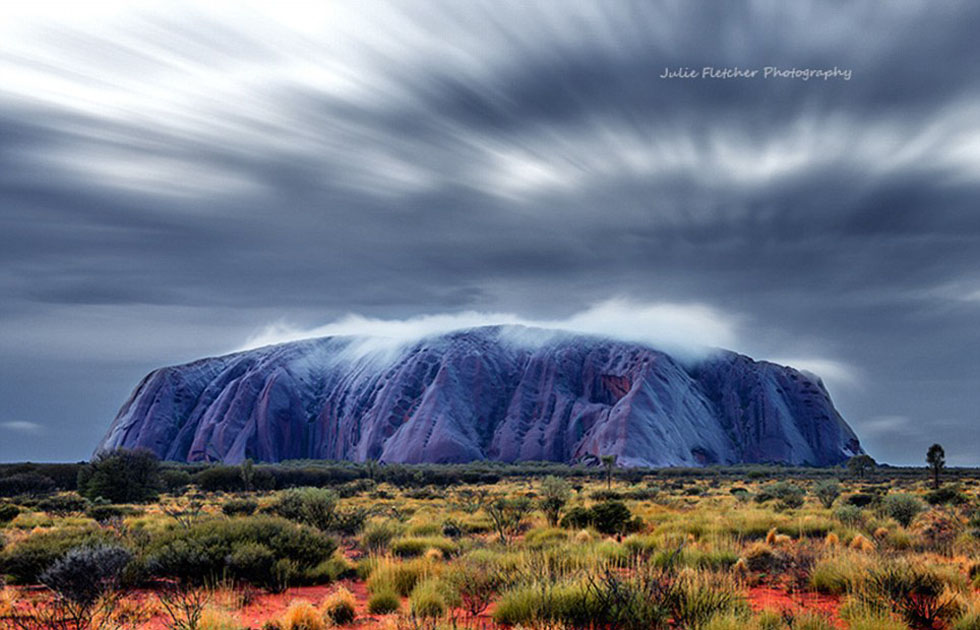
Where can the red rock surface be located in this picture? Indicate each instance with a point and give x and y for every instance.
(499, 393)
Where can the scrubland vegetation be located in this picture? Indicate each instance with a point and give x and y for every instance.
(125, 542)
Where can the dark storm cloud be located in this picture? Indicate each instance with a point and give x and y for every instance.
(173, 180)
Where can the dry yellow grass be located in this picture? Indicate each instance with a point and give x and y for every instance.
(301, 615)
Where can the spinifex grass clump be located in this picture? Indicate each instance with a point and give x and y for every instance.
(401, 576)
(641, 598)
(917, 593)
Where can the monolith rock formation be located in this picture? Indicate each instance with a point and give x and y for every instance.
(505, 393)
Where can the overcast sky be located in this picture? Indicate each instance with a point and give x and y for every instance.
(182, 180)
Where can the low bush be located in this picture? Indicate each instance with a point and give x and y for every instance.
(476, 582)
(827, 492)
(609, 517)
(301, 615)
(947, 495)
(384, 602)
(915, 592)
(8, 512)
(239, 507)
(849, 514)
(547, 604)
(205, 550)
(577, 518)
(29, 558)
(85, 574)
(336, 568)
(108, 513)
(787, 495)
(349, 522)
(427, 600)
(27, 483)
(400, 576)
(378, 535)
(340, 607)
(315, 507)
(63, 504)
(861, 499)
(250, 562)
(902, 507)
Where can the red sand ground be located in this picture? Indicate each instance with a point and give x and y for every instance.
(268, 606)
(767, 597)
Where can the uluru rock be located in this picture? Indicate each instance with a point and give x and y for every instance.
(503, 393)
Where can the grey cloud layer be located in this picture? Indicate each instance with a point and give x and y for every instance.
(173, 180)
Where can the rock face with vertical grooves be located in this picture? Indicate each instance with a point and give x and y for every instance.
(503, 393)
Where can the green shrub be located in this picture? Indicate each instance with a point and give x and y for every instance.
(577, 518)
(555, 493)
(544, 537)
(239, 507)
(827, 492)
(26, 560)
(902, 507)
(378, 535)
(475, 582)
(427, 600)
(786, 495)
(348, 522)
(26, 483)
(861, 499)
(827, 577)
(384, 602)
(947, 495)
(250, 562)
(544, 604)
(915, 592)
(202, 552)
(107, 513)
(315, 507)
(696, 598)
(399, 576)
(85, 574)
(174, 481)
(612, 517)
(851, 515)
(8, 512)
(63, 504)
(336, 568)
(121, 476)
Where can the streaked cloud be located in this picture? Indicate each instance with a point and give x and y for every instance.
(174, 176)
(21, 426)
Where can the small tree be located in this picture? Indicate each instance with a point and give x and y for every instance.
(121, 476)
(508, 514)
(860, 465)
(827, 492)
(936, 459)
(609, 462)
(555, 493)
